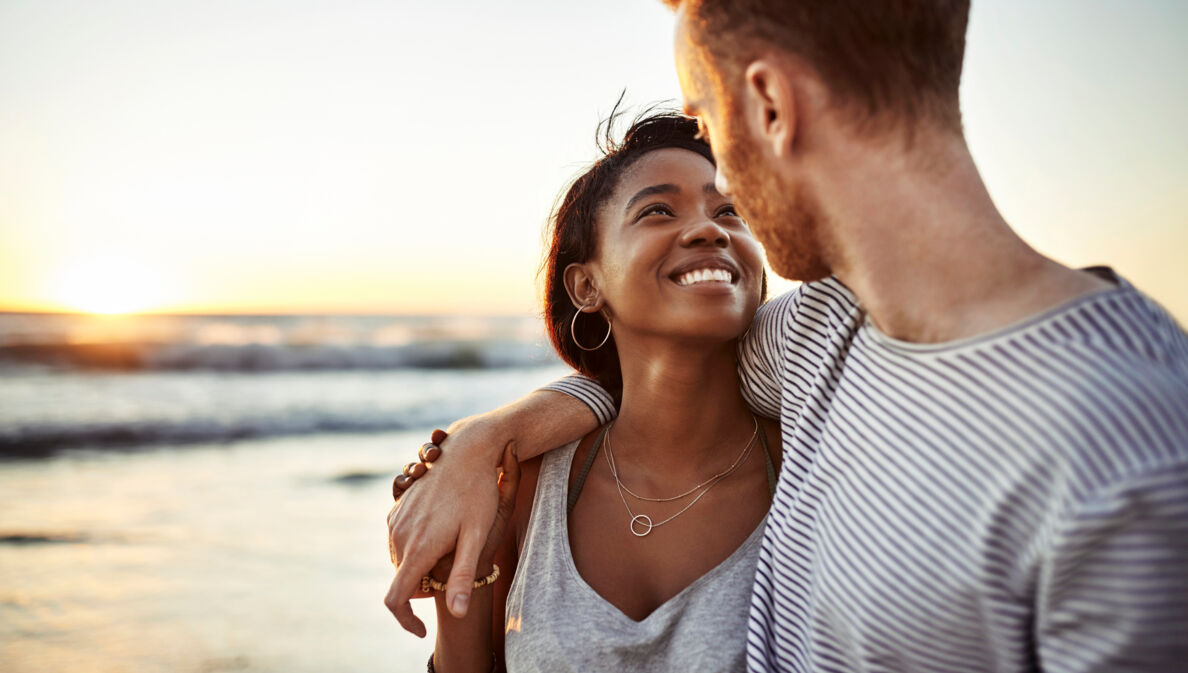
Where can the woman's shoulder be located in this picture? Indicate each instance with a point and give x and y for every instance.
(531, 472)
(532, 469)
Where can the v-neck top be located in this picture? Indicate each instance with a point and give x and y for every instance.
(556, 622)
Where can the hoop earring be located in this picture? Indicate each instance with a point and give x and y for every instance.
(573, 333)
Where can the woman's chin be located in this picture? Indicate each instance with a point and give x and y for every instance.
(711, 328)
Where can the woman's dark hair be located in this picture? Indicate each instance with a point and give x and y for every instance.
(572, 232)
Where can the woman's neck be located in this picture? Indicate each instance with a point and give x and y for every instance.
(682, 408)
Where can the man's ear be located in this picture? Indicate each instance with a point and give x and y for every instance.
(771, 99)
(579, 283)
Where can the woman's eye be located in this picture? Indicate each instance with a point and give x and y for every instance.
(655, 209)
(727, 211)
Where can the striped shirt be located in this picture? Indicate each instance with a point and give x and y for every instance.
(1016, 501)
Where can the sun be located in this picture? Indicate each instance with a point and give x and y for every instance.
(108, 285)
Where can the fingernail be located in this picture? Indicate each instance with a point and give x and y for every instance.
(460, 603)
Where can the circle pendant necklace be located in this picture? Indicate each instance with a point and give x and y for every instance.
(641, 525)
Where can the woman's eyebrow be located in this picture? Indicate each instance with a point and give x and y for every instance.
(666, 188)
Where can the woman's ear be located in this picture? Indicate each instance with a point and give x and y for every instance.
(579, 283)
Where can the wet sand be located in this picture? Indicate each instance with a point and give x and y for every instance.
(259, 556)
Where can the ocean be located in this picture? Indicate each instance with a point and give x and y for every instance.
(208, 493)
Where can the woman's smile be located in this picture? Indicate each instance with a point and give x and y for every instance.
(714, 273)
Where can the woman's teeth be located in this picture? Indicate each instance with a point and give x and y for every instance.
(704, 276)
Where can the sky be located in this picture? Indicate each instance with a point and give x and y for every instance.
(259, 156)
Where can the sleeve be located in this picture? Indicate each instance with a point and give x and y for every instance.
(588, 392)
(759, 354)
(1113, 596)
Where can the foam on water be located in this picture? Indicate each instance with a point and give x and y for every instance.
(42, 413)
(92, 382)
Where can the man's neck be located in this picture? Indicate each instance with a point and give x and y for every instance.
(915, 235)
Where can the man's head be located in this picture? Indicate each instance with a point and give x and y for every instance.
(776, 82)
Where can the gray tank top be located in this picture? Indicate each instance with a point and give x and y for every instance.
(556, 622)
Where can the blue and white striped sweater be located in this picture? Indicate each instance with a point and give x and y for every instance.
(1013, 502)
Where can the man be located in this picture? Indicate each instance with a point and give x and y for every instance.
(986, 453)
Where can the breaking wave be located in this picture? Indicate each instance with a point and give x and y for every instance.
(256, 357)
(41, 440)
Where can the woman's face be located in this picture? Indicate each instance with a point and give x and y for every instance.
(673, 258)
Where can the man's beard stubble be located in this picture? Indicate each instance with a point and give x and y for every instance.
(786, 220)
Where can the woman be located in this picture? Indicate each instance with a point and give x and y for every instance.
(635, 547)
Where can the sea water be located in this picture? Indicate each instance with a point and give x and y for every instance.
(213, 498)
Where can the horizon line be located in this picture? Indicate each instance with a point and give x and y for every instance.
(267, 314)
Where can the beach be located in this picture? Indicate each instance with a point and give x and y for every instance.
(200, 519)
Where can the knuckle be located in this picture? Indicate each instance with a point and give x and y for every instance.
(413, 547)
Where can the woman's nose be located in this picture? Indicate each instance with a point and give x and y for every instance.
(705, 232)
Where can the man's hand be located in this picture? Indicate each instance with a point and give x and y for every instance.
(509, 482)
(455, 502)
(451, 510)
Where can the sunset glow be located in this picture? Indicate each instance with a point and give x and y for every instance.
(327, 165)
(108, 285)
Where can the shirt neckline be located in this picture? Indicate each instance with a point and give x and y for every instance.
(1121, 287)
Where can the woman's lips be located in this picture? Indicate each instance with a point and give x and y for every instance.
(705, 269)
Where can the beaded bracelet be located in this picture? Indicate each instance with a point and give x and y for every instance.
(429, 584)
(428, 453)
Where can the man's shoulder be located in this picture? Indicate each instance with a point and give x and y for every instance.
(805, 320)
(1121, 336)
(827, 292)
(819, 302)
(1112, 380)
(1121, 423)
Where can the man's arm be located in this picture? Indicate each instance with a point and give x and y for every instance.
(454, 504)
(759, 355)
(1114, 594)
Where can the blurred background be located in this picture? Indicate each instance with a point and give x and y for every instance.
(252, 252)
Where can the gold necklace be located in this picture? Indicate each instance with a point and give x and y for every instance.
(720, 475)
(643, 522)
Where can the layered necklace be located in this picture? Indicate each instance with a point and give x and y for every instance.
(641, 524)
